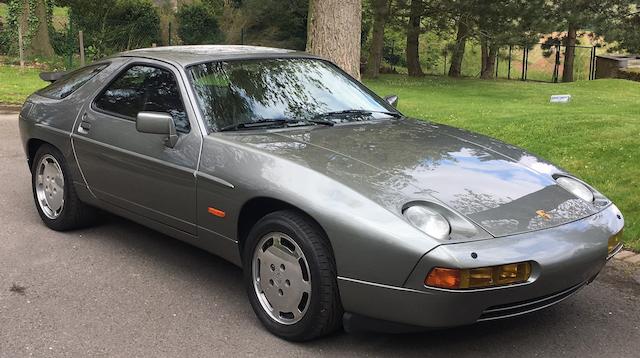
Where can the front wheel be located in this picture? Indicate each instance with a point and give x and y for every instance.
(290, 277)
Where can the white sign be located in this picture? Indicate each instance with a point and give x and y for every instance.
(561, 98)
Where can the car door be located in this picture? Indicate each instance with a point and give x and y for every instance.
(138, 171)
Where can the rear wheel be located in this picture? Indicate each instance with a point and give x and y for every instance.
(53, 192)
(290, 277)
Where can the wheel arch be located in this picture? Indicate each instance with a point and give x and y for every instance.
(33, 144)
(256, 208)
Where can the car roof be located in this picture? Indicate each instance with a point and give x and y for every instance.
(189, 55)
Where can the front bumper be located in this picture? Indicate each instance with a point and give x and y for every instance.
(565, 259)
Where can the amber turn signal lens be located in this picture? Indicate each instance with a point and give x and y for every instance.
(614, 241)
(216, 212)
(480, 277)
(443, 277)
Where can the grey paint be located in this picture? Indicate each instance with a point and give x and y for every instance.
(158, 123)
(353, 179)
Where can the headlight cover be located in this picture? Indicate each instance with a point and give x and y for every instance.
(428, 221)
(576, 188)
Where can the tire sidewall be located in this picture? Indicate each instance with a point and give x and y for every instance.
(274, 223)
(45, 149)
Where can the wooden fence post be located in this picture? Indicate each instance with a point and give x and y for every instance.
(81, 40)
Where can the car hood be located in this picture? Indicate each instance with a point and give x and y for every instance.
(499, 187)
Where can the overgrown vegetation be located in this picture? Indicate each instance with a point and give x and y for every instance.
(198, 24)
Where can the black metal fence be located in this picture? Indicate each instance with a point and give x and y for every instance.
(539, 62)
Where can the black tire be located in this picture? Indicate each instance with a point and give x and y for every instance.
(324, 314)
(75, 214)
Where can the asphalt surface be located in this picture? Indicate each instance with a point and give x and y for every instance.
(122, 290)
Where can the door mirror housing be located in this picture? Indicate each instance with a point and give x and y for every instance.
(158, 123)
(392, 100)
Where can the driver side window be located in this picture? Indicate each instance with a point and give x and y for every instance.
(144, 88)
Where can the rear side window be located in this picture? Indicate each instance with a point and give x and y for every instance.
(72, 82)
(144, 88)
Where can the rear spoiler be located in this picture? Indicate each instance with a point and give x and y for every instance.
(52, 76)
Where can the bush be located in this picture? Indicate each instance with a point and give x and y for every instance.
(114, 25)
(275, 23)
(629, 75)
(5, 43)
(198, 25)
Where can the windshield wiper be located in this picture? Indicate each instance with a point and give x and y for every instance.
(321, 121)
(356, 111)
(275, 122)
(255, 124)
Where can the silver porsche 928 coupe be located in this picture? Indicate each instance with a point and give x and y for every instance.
(340, 210)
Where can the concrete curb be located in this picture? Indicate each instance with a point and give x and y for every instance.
(9, 108)
(628, 257)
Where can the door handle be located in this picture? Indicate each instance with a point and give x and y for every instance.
(85, 125)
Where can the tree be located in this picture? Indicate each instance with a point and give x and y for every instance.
(334, 30)
(575, 15)
(457, 55)
(269, 23)
(624, 29)
(506, 22)
(461, 13)
(381, 10)
(34, 18)
(197, 25)
(413, 38)
(115, 25)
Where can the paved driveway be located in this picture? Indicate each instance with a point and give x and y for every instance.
(120, 289)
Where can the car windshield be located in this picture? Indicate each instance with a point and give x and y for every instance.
(233, 94)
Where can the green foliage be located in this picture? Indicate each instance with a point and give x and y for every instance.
(275, 22)
(111, 26)
(197, 24)
(12, 12)
(590, 136)
(624, 30)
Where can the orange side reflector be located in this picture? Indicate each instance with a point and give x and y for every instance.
(443, 277)
(216, 212)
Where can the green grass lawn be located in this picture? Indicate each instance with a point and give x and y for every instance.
(596, 136)
(17, 84)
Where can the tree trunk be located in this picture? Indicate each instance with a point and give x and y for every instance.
(569, 54)
(484, 53)
(489, 54)
(40, 44)
(413, 39)
(458, 52)
(334, 28)
(380, 15)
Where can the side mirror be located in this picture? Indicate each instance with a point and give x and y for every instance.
(157, 123)
(392, 100)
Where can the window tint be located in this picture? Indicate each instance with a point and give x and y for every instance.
(71, 82)
(145, 88)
